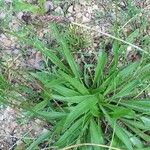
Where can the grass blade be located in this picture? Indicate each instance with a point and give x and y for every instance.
(79, 110)
(96, 134)
(126, 90)
(39, 140)
(70, 134)
(66, 51)
(102, 58)
(138, 105)
(119, 132)
(74, 82)
(72, 99)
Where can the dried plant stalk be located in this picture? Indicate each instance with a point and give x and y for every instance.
(51, 18)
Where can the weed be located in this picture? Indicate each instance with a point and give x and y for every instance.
(108, 112)
(109, 105)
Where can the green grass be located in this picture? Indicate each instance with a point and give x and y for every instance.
(82, 114)
(106, 104)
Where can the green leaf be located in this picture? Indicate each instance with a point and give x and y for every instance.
(145, 120)
(74, 82)
(39, 140)
(137, 124)
(115, 48)
(118, 143)
(128, 71)
(118, 131)
(72, 99)
(70, 134)
(51, 115)
(131, 38)
(64, 91)
(96, 134)
(104, 84)
(124, 75)
(66, 51)
(48, 80)
(127, 90)
(79, 110)
(135, 140)
(140, 133)
(48, 53)
(19, 5)
(94, 110)
(102, 58)
(42, 48)
(40, 105)
(41, 6)
(121, 112)
(138, 105)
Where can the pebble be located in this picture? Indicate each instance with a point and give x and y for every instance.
(6, 43)
(70, 9)
(90, 9)
(95, 7)
(88, 15)
(129, 49)
(85, 19)
(14, 24)
(48, 6)
(59, 10)
(3, 36)
(79, 15)
(2, 15)
(77, 8)
(122, 4)
(16, 52)
(68, 15)
(19, 15)
(71, 19)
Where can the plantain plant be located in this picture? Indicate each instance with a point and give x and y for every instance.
(110, 106)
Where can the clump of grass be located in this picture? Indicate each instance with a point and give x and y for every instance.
(112, 109)
(77, 38)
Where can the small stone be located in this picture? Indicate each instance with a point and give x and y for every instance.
(95, 7)
(85, 19)
(122, 4)
(83, 2)
(14, 24)
(59, 10)
(2, 36)
(68, 15)
(19, 15)
(71, 19)
(95, 44)
(7, 43)
(79, 15)
(88, 15)
(2, 15)
(48, 6)
(89, 9)
(129, 49)
(97, 27)
(77, 8)
(44, 130)
(70, 9)
(16, 51)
